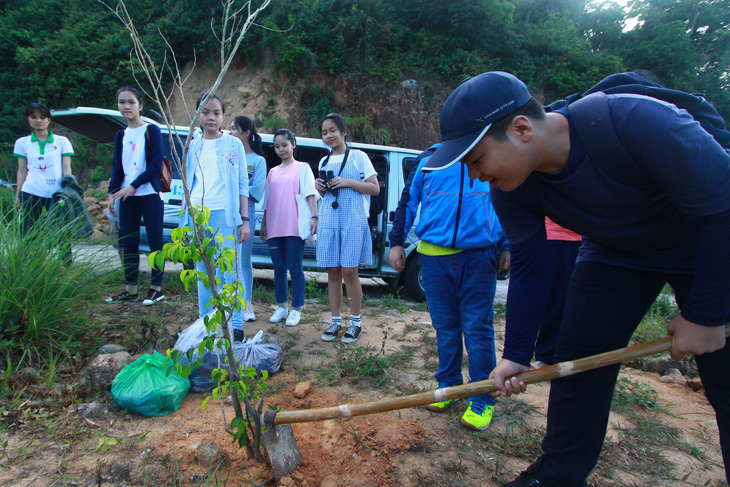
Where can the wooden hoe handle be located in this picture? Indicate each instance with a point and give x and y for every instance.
(562, 369)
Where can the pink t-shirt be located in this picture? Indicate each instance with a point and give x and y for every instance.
(281, 209)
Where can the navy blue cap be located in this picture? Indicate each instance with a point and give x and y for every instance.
(471, 109)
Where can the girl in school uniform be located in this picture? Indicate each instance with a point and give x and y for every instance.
(346, 180)
(280, 226)
(43, 159)
(135, 189)
(243, 129)
(217, 178)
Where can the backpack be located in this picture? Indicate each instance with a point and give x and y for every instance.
(165, 170)
(594, 127)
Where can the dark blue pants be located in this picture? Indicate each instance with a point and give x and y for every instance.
(32, 207)
(562, 254)
(131, 211)
(460, 292)
(604, 306)
(287, 253)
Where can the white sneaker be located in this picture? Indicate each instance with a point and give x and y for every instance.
(279, 314)
(294, 316)
(248, 314)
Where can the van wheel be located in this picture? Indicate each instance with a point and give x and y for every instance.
(413, 279)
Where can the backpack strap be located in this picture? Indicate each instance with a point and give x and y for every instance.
(593, 125)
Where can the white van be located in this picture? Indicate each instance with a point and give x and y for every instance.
(392, 164)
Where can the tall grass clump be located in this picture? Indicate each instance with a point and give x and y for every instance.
(45, 300)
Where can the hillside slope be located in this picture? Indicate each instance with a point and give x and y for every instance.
(409, 110)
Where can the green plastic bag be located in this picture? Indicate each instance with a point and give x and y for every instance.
(141, 387)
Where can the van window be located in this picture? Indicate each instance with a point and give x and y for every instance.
(408, 164)
(310, 155)
(377, 203)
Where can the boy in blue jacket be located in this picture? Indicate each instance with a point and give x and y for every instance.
(667, 222)
(462, 249)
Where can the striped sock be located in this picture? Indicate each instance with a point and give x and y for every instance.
(355, 320)
(337, 320)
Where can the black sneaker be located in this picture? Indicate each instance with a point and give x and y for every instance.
(529, 478)
(331, 333)
(123, 296)
(152, 297)
(352, 333)
(237, 335)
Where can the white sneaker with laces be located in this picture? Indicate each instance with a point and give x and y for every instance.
(294, 316)
(279, 314)
(248, 313)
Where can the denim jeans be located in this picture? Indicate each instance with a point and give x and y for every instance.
(605, 305)
(218, 220)
(131, 211)
(245, 250)
(460, 291)
(287, 253)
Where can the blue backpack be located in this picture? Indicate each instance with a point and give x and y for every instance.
(592, 120)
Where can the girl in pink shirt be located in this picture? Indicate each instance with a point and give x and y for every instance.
(280, 226)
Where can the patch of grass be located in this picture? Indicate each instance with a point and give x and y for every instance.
(312, 289)
(423, 306)
(640, 446)
(395, 302)
(45, 301)
(408, 328)
(263, 294)
(524, 443)
(171, 283)
(628, 396)
(355, 363)
(500, 311)
(514, 411)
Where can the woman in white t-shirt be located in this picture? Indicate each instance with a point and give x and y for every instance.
(136, 187)
(346, 181)
(43, 159)
(217, 178)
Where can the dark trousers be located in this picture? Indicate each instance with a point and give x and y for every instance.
(604, 306)
(562, 255)
(131, 211)
(32, 207)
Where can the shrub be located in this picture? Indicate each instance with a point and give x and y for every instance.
(44, 302)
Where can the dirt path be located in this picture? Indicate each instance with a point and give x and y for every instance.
(673, 444)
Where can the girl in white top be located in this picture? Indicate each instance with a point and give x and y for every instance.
(217, 178)
(135, 188)
(43, 159)
(243, 129)
(346, 181)
(280, 225)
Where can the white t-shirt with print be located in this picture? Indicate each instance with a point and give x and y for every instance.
(208, 188)
(45, 162)
(134, 160)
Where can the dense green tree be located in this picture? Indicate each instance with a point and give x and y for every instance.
(74, 52)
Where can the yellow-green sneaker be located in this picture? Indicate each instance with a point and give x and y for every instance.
(478, 415)
(438, 407)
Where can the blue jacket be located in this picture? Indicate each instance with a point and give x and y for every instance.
(232, 166)
(454, 210)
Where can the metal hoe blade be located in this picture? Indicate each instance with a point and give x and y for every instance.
(282, 449)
